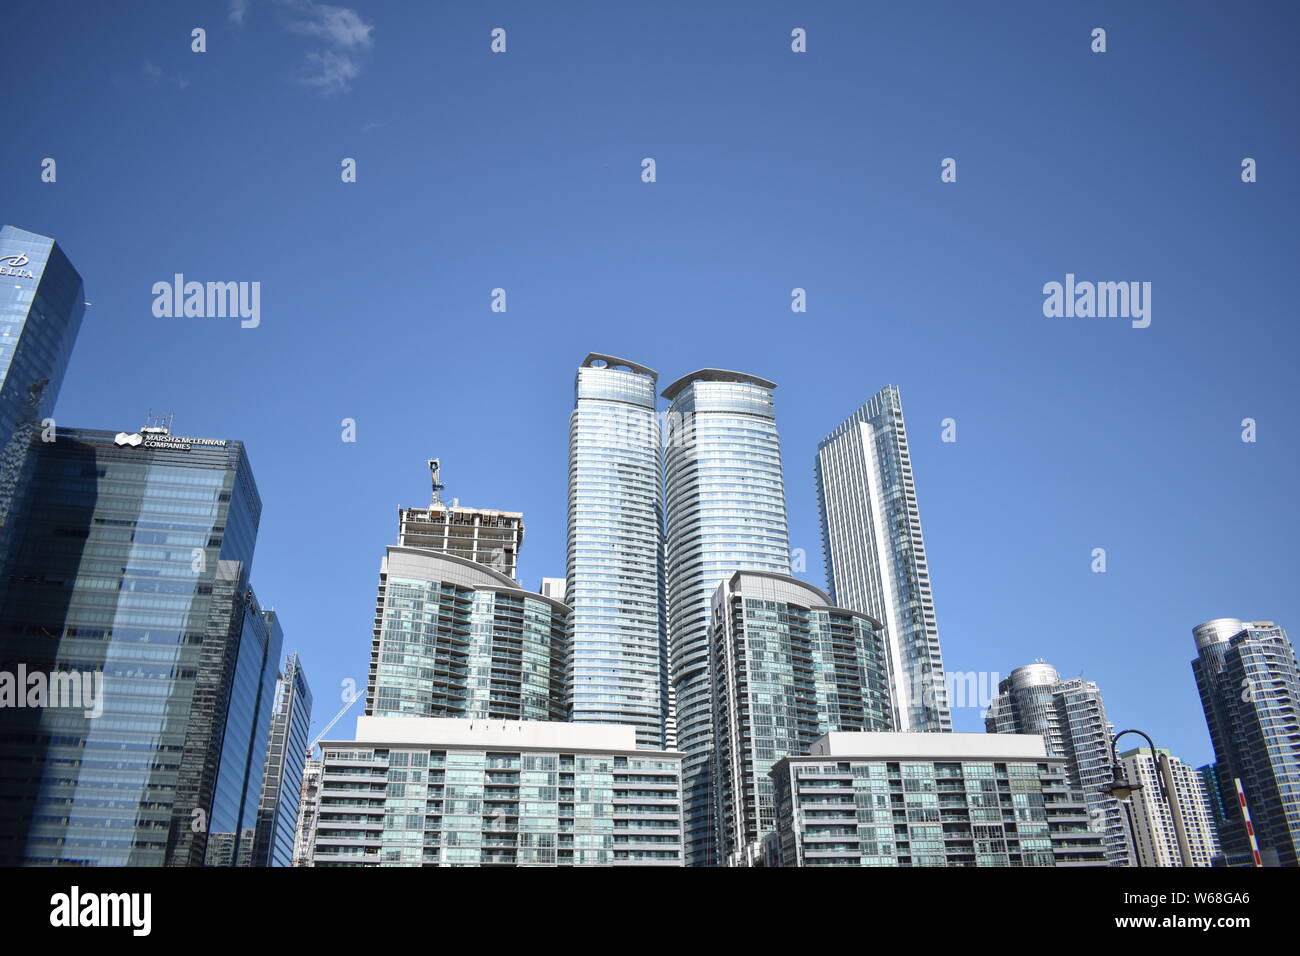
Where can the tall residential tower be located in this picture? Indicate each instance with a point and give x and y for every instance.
(1250, 691)
(875, 554)
(725, 506)
(619, 668)
(1071, 718)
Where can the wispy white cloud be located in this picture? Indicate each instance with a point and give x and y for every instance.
(330, 71)
(346, 37)
(344, 40)
(337, 26)
(155, 74)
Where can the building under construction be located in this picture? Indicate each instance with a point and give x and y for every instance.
(488, 537)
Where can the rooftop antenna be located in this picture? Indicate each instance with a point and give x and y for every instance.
(435, 466)
(159, 424)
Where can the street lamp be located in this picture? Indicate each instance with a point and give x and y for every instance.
(1123, 789)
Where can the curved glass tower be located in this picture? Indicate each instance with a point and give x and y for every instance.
(725, 509)
(618, 662)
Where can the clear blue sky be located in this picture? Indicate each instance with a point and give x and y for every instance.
(775, 170)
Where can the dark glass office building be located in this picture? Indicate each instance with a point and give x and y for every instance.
(286, 756)
(41, 306)
(129, 576)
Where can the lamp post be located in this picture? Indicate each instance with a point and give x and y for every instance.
(1123, 789)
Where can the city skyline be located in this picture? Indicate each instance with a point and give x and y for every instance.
(973, 724)
(1072, 434)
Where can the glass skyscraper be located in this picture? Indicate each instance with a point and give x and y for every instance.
(875, 553)
(787, 668)
(454, 638)
(130, 567)
(286, 756)
(232, 824)
(41, 307)
(1249, 683)
(618, 670)
(1071, 717)
(725, 509)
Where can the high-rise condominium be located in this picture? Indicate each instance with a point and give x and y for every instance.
(277, 818)
(41, 307)
(787, 668)
(1155, 837)
(1250, 690)
(131, 578)
(725, 505)
(1071, 718)
(907, 799)
(454, 638)
(875, 554)
(444, 792)
(619, 668)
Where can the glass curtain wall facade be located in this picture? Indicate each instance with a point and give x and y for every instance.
(1071, 718)
(726, 512)
(277, 816)
(454, 638)
(245, 738)
(41, 308)
(787, 668)
(132, 563)
(1249, 683)
(875, 552)
(618, 664)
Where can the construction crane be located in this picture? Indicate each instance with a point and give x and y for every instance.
(311, 749)
(435, 466)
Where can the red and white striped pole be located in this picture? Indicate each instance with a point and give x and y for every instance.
(1245, 815)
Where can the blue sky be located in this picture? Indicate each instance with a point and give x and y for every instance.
(775, 171)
